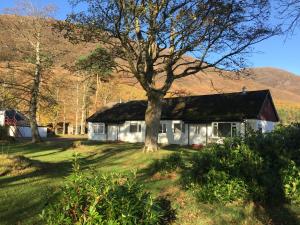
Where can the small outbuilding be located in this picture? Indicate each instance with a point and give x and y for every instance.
(188, 120)
(18, 124)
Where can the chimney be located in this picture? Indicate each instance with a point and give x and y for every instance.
(244, 90)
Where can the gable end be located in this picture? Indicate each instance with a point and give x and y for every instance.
(268, 111)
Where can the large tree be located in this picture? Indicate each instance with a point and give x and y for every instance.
(30, 25)
(160, 41)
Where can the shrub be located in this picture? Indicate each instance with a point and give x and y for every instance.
(291, 181)
(260, 167)
(223, 173)
(106, 199)
(219, 187)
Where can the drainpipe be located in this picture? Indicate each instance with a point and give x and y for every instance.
(188, 133)
(206, 135)
(118, 129)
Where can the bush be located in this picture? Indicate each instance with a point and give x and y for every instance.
(291, 181)
(106, 199)
(219, 187)
(222, 173)
(261, 167)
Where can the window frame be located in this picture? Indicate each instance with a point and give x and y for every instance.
(233, 126)
(162, 128)
(97, 127)
(197, 129)
(182, 128)
(138, 127)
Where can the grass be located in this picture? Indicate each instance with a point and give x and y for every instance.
(24, 191)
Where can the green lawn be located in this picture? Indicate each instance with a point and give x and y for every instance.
(23, 195)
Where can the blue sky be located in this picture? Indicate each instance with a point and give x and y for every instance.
(279, 52)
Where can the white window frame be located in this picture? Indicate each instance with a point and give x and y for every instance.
(232, 125)
(98, 128)
(182, 127)
(163, 128)
(139, 127)
(197, 129)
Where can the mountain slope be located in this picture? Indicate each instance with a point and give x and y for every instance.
(284, 86)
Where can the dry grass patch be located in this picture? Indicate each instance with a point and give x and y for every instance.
(15, 165)
(164, 176)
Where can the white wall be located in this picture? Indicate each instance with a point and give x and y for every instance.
(26, 131)
(2, 118)
(122, 132)
(127, 136)
(170, 137)
(266, 126)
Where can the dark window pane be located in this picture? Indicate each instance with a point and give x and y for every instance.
(133, 128)
(234, 131)
(224, 129)
(163, 128)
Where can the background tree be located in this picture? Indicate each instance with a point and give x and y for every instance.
(154, 38)
(289, 11)
(94, 68)
(31, 29)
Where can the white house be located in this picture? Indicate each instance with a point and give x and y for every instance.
(188, 120)
(18, 124)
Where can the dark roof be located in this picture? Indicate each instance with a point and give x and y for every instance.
(203, 108)
(13, 114)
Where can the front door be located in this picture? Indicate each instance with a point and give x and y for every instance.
(112, 132)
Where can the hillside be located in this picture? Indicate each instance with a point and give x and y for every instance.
(284, 86)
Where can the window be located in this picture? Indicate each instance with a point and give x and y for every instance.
(234, 132)
(178, 128)
(163, 128)
(225, 130)
(98, 128)
(135, 127)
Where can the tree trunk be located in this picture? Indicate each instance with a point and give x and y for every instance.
(34, 95)
(57, 112)
(64, 118)
(83, 111)
(77, 107)
(97, 93)
(152, 119)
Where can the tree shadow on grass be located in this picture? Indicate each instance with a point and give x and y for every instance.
(46, 173)
(43, 170)
(29, 148)
(280, 215)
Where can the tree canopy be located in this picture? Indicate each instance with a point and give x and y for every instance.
(159, 41)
